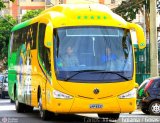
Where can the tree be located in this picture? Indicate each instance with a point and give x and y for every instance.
(6, 24)
(30, 14)
(2, 4)
(129, 8)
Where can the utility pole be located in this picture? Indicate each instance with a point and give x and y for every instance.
(153, 39)
(19, 16)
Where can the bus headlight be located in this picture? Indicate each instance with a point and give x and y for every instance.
(60, 95)
(129, 94)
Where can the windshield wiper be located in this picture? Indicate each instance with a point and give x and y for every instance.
(114, 73)
(81, 71)
(96, 71)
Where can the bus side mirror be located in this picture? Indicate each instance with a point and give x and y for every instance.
(140, 34)
(136, 85)
(48, 41)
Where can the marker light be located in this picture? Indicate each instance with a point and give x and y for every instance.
(92, 17)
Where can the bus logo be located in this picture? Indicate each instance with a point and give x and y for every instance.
(96, 91)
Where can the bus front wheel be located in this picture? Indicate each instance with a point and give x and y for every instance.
(109, 116)
(44, 114)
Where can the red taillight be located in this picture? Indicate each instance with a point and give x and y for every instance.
(148, 85)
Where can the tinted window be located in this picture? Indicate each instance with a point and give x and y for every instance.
(156, 84)
(15, 41)
(44, 52)
(25, 36)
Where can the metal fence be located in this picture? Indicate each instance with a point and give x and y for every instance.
(142, 58)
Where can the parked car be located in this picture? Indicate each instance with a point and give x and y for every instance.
(4, 87)
(1, 79)
(149, 96)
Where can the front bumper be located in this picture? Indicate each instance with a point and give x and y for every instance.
(82, 105)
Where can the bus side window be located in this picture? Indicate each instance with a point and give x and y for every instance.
(44, 52)
(11, 43)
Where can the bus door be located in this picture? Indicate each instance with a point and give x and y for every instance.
(44, 61)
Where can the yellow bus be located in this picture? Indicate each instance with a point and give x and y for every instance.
(74, 59)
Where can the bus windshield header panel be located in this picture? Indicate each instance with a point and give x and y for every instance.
(93, 54)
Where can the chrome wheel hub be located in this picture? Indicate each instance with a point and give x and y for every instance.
(155, 108)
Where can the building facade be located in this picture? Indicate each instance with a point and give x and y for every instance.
(20, 7)
(7, 9)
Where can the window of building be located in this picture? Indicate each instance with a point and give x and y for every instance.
(61, 1)
(22, 0)
(49, 2)
(38, 0)
(112, 1)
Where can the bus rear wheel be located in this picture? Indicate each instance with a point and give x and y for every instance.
(20, 107)
(44, 114)
(28, 108)
(109, 116)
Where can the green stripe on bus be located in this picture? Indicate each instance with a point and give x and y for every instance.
(21, 25)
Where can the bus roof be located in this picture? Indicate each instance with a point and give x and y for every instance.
(21, 25)
(83, 13)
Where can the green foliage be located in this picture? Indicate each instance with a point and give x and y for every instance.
(129, 8)
(2, 4)
(6, 23)
(30, 14)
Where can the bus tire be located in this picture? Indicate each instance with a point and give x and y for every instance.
(28, 108)
(109, 116)
(44, 114)
(20, 107)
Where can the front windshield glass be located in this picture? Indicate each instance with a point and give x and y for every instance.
(93, 54)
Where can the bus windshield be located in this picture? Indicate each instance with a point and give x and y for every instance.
(93, 54)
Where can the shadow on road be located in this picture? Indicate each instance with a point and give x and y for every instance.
(60, 118)
(34, 117)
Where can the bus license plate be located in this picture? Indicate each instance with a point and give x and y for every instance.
(95, 106)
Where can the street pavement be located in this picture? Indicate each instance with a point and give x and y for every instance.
(8, 114)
